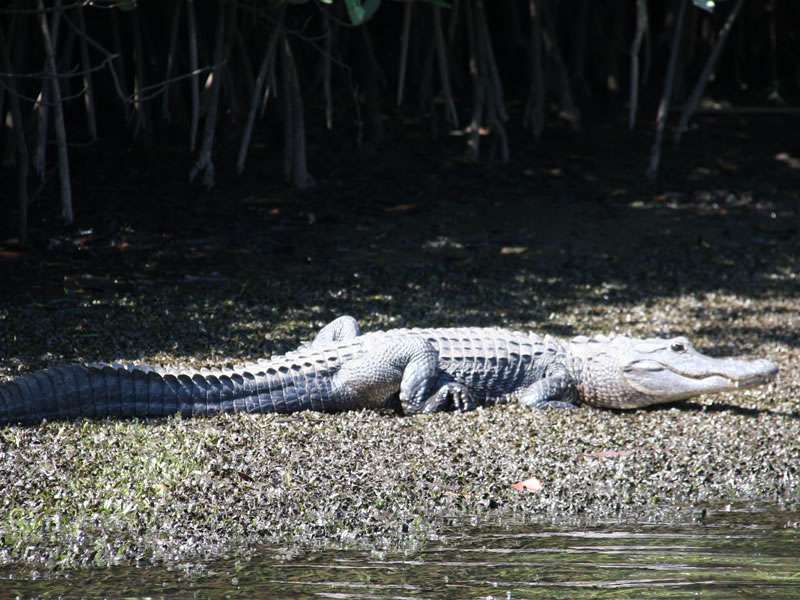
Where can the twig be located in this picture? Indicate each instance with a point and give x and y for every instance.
(72, 73)
(4, 93)
(740, 57)
(702, 80)
(478, 85)
(327, 59)
(139, 106)
(726, 109)
(36, 11)
(444, 68)
(21, 145)
(569, 110)
(534, 110)
(64, 58)
(173, 42)
(267, 63)
(121, 78)
(157, 89)
(108, 60)
(228, 83)
(663, 107)
(296, 142)
(58, 114)
(88, 97)
(648, 56)
(408, 8)
(491, 63)
(288, 115)
(195, 83)
(641, 28)
(41, 107)
(775, 92)
(271, 89)
(496, 104)
(205, 162)
(43, 103)
(372, 87)
(614, 45)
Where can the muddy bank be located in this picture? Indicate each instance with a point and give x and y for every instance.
(567, 246)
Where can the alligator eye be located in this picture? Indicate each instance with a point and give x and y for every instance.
(678, 347)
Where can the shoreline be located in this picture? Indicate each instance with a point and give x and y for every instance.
(457, 246)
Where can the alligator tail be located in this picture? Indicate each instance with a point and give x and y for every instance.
(98, 391)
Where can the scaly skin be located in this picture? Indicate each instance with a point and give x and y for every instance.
(416, 370)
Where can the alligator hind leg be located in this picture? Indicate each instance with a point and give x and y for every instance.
(341, 329)
(408, 365)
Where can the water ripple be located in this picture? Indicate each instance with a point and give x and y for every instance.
(749, 552)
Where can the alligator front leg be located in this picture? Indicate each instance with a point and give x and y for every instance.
(553, 391)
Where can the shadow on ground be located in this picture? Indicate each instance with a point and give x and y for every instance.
(412, 237)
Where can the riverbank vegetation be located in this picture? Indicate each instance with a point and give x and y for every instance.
(224, 86)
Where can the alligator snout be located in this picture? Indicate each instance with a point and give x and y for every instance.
(760, 371)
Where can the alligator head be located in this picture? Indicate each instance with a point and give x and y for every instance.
(623, 372)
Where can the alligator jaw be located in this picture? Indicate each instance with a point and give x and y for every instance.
(697, 374)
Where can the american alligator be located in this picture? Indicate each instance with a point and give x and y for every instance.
(413, 370)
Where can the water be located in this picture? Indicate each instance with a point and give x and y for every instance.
(749, 552)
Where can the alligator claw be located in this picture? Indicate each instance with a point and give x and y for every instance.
(455, 395)
(553, 405)
(462, 398)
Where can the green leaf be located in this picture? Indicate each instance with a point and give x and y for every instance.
(359, 12)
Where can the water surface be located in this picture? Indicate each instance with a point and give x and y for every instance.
(725, 552)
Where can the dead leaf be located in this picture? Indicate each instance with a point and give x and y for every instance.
(532, 485)
(8, 255)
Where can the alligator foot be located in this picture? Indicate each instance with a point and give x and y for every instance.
(451, 394)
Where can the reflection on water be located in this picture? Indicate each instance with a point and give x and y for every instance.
(744, 553)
